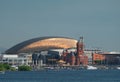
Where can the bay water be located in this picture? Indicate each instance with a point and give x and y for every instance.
(62, 76)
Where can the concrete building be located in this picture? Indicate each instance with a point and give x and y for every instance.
(89, 53)
(39, 58)
(106, 58)
(15, 59)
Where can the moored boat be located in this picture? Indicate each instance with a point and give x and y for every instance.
(91, 67)
(118, 68)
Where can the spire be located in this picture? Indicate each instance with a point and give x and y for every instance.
(81, 39)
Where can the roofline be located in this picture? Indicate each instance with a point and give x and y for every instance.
(27, 42)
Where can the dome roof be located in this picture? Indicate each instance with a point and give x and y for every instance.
(42, 43)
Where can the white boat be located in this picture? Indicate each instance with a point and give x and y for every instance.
(91, 67)
(118, 68)
(16, 67)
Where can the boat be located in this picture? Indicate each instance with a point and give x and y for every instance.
(14, 66)
(91, 67)
(118, 68)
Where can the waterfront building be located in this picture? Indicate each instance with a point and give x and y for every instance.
(106, 58)
(42, 44)
(50, 50)
(15, 59)
(77, 57)
(81, 58)
(89, 54)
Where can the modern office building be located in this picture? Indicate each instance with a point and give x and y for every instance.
(15, 59)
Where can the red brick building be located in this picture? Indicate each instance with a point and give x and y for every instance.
(78, 57)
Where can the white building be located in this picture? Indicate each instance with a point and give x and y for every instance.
(15, 59)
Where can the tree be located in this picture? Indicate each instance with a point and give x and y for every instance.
(6, 66)
(24, 68)
(1, 67)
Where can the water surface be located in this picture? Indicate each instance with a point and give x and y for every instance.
(62, 76)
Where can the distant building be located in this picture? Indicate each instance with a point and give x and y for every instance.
(42, 44)
(15, 59)
(51, 57)
(77, 56)
(89, 53)
(39, 58)
(50, 50)
(106, 58)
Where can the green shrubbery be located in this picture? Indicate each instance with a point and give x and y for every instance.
(24, 68)
(7, 67)
(4, 67)
(13, 69)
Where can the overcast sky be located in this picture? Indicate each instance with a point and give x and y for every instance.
(98, 21)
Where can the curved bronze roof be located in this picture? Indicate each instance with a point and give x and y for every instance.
(42, 43)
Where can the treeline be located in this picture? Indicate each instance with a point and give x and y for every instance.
(4, 67)
(7, 67)
(24, 68)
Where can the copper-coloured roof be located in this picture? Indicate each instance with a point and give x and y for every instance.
(42, 43)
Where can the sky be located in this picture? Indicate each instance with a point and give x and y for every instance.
(98, 21)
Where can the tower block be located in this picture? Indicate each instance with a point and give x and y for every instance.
(81, 59)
